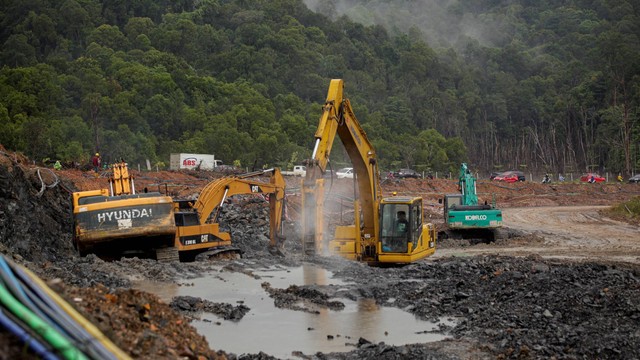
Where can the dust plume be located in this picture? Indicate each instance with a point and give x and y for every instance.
(447, 23)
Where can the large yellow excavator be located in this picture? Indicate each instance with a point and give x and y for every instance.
(116, 221)
(386, 230)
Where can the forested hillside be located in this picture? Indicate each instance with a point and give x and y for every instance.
(535, 85)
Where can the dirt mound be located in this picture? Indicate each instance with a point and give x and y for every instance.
(35, 211)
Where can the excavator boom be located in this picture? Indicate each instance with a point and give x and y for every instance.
(337, 119)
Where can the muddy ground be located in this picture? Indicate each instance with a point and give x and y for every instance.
(563, 284)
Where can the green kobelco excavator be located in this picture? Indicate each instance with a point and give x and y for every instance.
(464, 217)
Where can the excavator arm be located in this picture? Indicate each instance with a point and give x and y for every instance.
(338, 119)
(467, 184)
(216, 192)
(197, 227)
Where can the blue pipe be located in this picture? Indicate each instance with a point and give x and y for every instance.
(26, 338)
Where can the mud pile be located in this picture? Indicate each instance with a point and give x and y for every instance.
(35, 211)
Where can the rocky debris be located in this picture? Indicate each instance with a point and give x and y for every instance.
(140, 324)
(367, 350)
(190, 305)
(246, 219)
(301, 298)
(519, 307)
(35, 209)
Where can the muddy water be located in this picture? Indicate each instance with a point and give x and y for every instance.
(279, 332)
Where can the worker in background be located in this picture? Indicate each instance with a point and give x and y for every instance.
(546, 179)
(620, 178)
(95, 161)
(57, 165)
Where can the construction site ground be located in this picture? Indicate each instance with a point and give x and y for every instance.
(562, 283)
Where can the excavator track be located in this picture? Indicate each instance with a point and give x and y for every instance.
(167, 254)
(222, 252)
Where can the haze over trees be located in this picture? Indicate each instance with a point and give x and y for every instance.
(535, 85)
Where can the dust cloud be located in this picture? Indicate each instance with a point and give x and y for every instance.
(439, 23)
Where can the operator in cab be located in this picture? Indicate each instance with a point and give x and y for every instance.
(397, 237)
(402, 224)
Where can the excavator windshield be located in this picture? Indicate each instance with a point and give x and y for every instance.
(400, 224)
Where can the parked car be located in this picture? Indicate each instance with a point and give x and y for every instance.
(635, 179)
(407, 173)
(298, 170)
(510, 176)
(345, 173)
(596, 178)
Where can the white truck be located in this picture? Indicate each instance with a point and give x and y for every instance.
(298, 170)
(182, 161)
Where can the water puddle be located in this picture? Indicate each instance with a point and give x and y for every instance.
(279, 332)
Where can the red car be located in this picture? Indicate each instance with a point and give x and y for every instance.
(510, 176)
(592, 177)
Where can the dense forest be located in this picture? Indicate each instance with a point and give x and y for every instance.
(530, 85)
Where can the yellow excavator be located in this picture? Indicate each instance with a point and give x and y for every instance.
(117, 221)
(387, 230)
(197, 228)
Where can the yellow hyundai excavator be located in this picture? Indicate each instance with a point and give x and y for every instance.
(117, 221)
(197, 227)
(387, 230)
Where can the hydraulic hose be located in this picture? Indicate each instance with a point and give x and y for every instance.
(54, 338)
(45, 186)
(24, 336)
(88, 326)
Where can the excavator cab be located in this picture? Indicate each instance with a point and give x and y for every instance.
(404, 237)
(396, 230)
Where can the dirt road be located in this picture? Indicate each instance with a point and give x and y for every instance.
(562, 232)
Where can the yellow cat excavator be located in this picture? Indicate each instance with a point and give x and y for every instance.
(197, 227)
(117, 221)
(386, 230)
